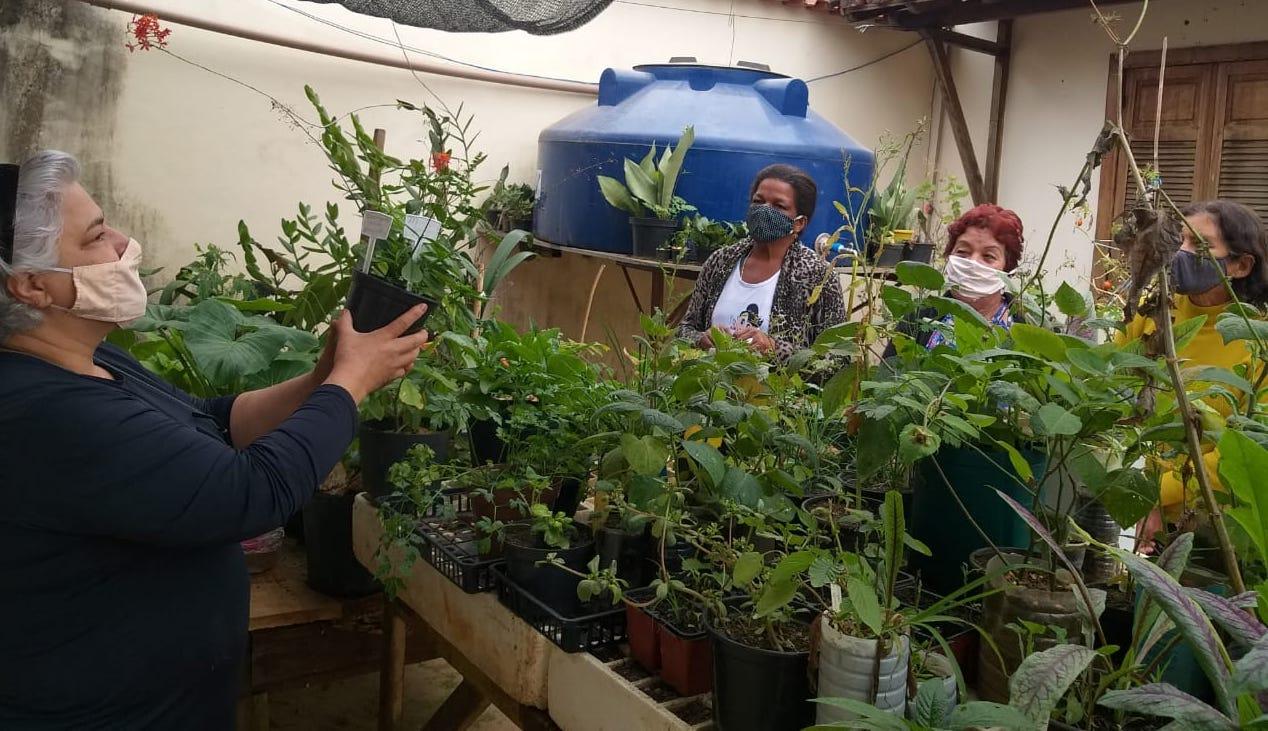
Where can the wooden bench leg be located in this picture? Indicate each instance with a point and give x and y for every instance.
(392, 668)
(461, 709)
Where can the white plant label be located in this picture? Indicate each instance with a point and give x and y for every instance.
(835, 589)
(375, 225)
(420, 230)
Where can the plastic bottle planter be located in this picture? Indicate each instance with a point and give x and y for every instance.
(937, 666)
(846, 667)
(332, 567)
(1095, 519)
(1062, 608)
(380, 449)
(550, 585)
(757, 689)
(375, 303)
(651, 235)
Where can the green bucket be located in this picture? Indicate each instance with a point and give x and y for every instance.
(938, 521)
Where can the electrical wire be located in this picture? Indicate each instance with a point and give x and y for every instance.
(873, 62)
(722, 13)
(412, 49)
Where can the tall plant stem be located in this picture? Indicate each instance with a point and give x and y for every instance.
(1190, 419)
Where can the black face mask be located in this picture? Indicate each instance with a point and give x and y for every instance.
(1193, 274)
(767, 223)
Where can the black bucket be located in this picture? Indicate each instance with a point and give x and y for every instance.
(630, 551)
(650, 234)
(332, 567)
(551, 585)
(382, 449)
(375, 303)
(759, 690)
(486, 446)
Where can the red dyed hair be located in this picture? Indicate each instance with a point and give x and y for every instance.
(1004, 225)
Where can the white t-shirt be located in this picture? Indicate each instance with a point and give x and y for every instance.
(744, 303)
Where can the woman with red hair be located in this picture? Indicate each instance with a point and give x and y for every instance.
(982, 245)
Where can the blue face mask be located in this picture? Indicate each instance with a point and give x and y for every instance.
(767, 223)
(1193, 274)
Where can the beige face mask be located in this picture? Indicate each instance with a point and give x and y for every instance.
(110, 292)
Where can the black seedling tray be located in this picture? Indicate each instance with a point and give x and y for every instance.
(572, 634)
(452, 544)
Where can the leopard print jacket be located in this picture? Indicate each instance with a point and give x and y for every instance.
(795, 321)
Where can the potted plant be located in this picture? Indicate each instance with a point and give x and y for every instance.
(701, 236)
(510, 206)
(648, 195)
(530, 547)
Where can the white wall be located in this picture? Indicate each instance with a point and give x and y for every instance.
(185, 153)
(1056, 104)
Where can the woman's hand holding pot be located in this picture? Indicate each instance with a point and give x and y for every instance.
(366, 362)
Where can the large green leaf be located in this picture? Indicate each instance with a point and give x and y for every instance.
(916, 442)
(775, 596)
(708, 458)
(1243, 467)
(642, 186)
(228, 349)
(1250, 675)
(1069, 301)
(876, 446)
(672, 166)
(645, 455)
(1038, 341)
(981, 714)
(1044, 677)
(893, 531)
(917, 274)
(747, 567)
(1185, 332)
(1160, 699)
(1128, 495)
(741, 487)
(837, 390)
(619, 197)
(870, 718)
(1052, 420)
(931, 706)
(1232, 327)
(1193, 624)
(867, 607)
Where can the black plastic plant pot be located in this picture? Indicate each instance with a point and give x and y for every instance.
(486, 446)
(756, 689)
(381, 449)
(332, 567)
(918, 251)
(650, 234)
(629, 550)
(550, 585)
(375, 303)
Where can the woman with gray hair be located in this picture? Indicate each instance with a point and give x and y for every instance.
(124, 499)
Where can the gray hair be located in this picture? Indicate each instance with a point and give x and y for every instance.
(37, 225)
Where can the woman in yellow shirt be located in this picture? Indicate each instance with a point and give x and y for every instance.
(1237, 242)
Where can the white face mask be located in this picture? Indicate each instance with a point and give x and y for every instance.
(109, 292)
(971, 278)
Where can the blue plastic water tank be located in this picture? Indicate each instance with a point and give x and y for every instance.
(744, 119)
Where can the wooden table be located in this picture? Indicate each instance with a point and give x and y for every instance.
(299, 636)
(626, 262)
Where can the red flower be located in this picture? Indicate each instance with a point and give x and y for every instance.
(440, 160)
(147, 32)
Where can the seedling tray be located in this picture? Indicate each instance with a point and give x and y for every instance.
(452, 544)
(584, 633)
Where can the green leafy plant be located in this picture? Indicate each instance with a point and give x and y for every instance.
(649, 184)
(555, 529)
(931, 712)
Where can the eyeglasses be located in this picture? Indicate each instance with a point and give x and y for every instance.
(8, 209)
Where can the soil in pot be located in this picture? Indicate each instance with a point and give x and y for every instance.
(551, 585)
(1025, 596)
(850, 522)
(375, 303)
(938, 521)
(629, 550)
(332, 567)
(380, 449)
(650, 235)
(756, 687)
(848, 669)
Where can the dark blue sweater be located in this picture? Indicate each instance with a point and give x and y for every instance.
(123, 591)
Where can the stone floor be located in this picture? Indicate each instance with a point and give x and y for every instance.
(352, 704)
